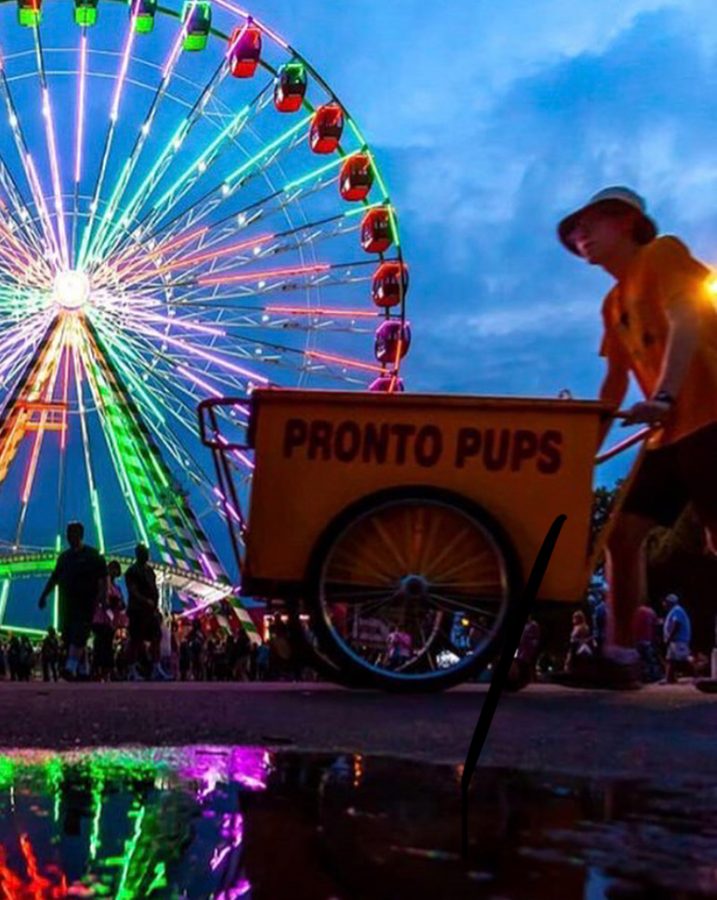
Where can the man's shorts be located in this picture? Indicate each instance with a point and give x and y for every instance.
(673, 476)
(76, 632)
(678, 651)
(144, 625)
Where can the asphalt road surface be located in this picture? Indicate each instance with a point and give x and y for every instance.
(658, 730)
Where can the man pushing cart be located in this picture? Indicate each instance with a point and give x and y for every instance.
(660, 326)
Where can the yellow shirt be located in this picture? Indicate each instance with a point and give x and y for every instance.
(636, 330)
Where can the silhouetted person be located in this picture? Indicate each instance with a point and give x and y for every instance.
(50, 655)
(81, 576)
(144, 616)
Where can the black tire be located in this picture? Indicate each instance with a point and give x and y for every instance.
(420, 673)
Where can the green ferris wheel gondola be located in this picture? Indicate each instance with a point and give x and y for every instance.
(197, 18)
(144, 12)
(29, 12)
(86, 12)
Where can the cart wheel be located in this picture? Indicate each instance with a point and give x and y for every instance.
(411, 587)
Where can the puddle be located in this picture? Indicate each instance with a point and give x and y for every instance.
(241, 822)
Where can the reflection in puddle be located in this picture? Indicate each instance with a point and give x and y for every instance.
(245, 822)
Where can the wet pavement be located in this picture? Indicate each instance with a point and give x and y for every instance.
(261, 822)
(657, 730)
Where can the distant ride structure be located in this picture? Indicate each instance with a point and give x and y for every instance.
(187, 211)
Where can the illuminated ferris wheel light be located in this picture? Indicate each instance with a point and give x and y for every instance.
(71, 290)
(188, 211)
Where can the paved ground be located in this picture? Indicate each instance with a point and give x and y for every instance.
(657, 730)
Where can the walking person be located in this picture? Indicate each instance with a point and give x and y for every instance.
(144, 616)
(645, 627)
(103, 626)
(81, 575)
(50, 655)
(677, 633)
(660, 328)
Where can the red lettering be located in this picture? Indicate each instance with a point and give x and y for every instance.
(376, 443)
(525, 446)
(551, 457)
(429, 446)
(492, 458)
(295, 434)
(320, 439)
(469, 444)
(347, 442)
(403, 433)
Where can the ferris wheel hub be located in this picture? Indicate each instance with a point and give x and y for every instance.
(71, 289)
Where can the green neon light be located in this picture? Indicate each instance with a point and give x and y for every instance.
(117, 460)
(381, 183)
(88, 459)
(265, 151)
(243, 114)
(130, 849)
(4, 591)
(56, 592)
(98, 787)
(334, 164)
(37, 632)
(15, 568)
(109, 209)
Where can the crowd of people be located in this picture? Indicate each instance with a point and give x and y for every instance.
(662, 642)
(189, 650)
(108, 633)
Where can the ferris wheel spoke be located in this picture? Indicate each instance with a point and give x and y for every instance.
(156, 420)
(48, 117)
(20, 215)
(157, 494)
(195, 171)
(49, 239)
(109, 135)
(105, 233)
(79, 138)
(216, 196)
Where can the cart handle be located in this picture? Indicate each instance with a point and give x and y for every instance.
(620, 447)
(208, 426)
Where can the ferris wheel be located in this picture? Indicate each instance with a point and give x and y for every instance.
(187, 211)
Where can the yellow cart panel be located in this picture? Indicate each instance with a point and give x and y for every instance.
(524, 461)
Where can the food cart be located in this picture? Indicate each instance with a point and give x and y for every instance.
(403, 524)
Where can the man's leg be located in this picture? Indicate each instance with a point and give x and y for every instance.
(626, 569)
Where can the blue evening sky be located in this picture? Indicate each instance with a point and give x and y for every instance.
(492, 120)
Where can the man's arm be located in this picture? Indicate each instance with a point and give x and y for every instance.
(613, 390)
(51, 584)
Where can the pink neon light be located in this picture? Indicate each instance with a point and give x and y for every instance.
(307, 311)
(207, 566)
(182, 323)
(40, 200)
(55, 170)
(158, 251)
(237, 454)
(241, 12)
(172, 58)
(216, 254)
(228, 506)
(343, 361)
(269, 273)
(198, 381)
(114, 113)
(210, 357)
(81, 110)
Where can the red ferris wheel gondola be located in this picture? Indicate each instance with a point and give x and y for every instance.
(327, 127)
(244, 51)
